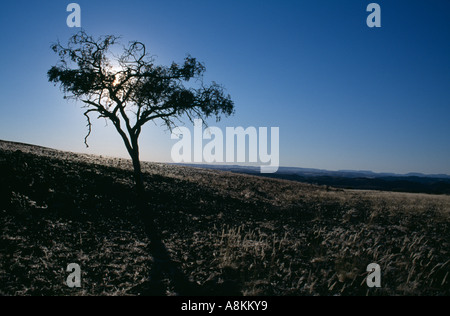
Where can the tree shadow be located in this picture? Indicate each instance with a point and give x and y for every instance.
(167, 274)
(99, 197)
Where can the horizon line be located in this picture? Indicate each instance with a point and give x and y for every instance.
(240, 166)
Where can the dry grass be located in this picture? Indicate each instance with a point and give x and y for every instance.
(263, 236)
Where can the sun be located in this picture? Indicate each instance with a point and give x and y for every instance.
(114, 70)
(116, 80)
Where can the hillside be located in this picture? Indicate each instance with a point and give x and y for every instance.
(348, 179)
(229, 234)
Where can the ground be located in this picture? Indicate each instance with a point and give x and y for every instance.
(227, 234)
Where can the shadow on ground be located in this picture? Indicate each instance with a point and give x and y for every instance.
(40, 194)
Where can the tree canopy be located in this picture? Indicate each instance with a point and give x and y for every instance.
(130, 90)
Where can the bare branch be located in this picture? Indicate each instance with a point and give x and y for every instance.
(89, 125)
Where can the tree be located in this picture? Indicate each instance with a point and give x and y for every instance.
(130, 90)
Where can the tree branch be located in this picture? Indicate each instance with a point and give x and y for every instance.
(89, 125)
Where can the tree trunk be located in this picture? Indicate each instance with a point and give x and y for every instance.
(140, 189)
(139, 182)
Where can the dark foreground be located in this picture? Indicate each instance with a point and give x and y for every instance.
(227, 234)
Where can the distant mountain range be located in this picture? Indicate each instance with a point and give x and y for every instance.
(351, 179)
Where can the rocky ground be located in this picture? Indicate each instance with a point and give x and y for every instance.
(228, 234)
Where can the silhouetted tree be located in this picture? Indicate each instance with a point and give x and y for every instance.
(130, 90)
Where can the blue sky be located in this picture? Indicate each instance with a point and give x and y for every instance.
(344, 96)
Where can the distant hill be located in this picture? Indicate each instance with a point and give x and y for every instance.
(351, 179)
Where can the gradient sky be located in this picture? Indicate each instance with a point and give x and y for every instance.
(344, 96)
